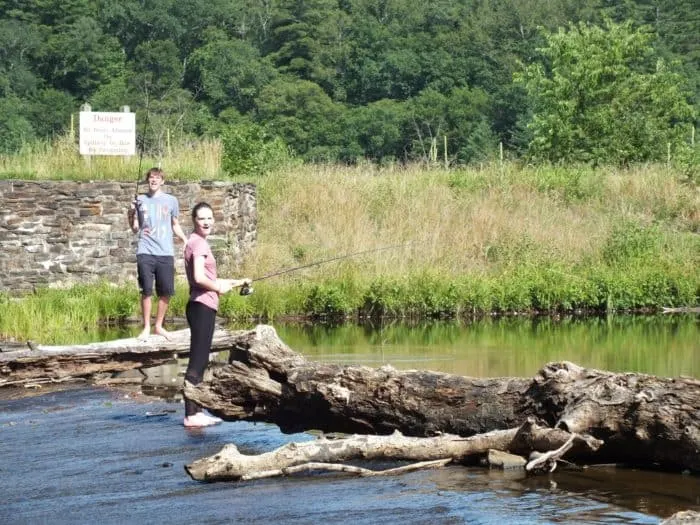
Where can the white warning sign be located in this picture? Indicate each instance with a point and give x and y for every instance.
(105, 133)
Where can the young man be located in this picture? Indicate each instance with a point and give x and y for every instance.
(154, 217)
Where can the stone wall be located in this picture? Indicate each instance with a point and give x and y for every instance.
(56, 233)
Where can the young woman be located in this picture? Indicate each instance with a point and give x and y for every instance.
(205, 288)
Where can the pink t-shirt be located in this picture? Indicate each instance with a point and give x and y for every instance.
(198, 246)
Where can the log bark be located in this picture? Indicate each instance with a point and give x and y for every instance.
(641, 419)
(23, 364)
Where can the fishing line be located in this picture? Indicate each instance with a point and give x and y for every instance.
(247, 290)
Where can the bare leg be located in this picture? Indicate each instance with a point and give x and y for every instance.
(160, 317)
(146, 311)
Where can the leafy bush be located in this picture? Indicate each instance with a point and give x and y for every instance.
(329, 301)
(572, 184)
(384, 297)
(249, 150)
(631, 242)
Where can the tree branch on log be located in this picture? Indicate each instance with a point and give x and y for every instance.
(351, 469)
(641, 419)
(231, 464)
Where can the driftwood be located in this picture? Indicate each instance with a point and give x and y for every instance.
(33, 363)
(323, 454)
(685, 517)
(640, 419)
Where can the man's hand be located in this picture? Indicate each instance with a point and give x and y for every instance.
(131, 216)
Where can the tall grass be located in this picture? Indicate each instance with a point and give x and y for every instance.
(60, 160)
(495, 238)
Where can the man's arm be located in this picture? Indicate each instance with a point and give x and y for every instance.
(177, 230)
(132, 218)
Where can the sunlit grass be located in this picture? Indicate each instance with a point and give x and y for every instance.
(436, 242)
(60, 160)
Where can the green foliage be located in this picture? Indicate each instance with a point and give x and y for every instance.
(329, 300)
(15, 128)
(303, 40)
(383, 298)
(573, 184)
(630, 243)
(50, 110)
(378, 130)
(387, 81)
(303, 116)
(686, 160)
(19, 41)
(638, 287)
(419, 295)
(467, 181)
(156, 67)
(249, 151)
(228, 73)
(603, 95)
(460, 116)
(79, 57)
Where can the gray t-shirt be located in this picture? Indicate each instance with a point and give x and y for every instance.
(156, 233)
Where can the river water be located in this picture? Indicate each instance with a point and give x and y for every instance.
(89, 454)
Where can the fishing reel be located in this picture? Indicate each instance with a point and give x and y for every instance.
(246, 289)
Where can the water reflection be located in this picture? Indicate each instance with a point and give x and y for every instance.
(512, 346)
(663, 345)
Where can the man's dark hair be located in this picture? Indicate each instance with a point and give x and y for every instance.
(155, 171)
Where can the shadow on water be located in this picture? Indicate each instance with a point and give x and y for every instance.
(87, 454)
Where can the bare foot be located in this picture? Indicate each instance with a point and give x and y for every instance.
(199, 420)
(159, 330)
(145, 333)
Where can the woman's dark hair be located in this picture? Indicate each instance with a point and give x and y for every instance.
(198, 207)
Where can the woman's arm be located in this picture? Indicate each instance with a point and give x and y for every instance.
(201, 278)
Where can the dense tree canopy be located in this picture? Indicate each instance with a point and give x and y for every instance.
(600, 94)
(339, 80)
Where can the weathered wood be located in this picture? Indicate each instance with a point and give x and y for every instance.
(642, 419)
(44, 363)
(685, 517)
(231, 464)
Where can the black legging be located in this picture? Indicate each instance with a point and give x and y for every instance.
(201, 319)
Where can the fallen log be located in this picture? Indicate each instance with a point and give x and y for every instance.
(685, 517)
(231, 464)
(35, 363)
(642, 420)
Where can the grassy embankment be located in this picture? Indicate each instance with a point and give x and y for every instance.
(473, 241)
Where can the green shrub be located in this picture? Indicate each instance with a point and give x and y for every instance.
(331, 300)
(249, 151)
(631, 242)
(384, 297)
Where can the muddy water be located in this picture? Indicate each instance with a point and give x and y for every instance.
(104, 455)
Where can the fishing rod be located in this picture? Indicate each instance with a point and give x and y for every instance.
(247, 289)
(139, 211)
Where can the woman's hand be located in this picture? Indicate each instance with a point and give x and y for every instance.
(226, 285)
